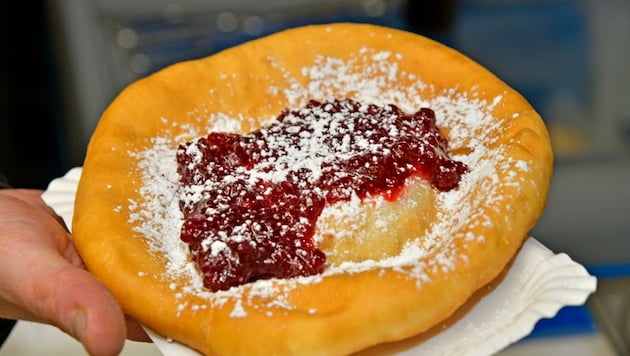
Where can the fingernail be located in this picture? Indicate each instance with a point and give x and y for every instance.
(78, 324)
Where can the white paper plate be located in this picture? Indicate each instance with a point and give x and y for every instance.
(538, 285)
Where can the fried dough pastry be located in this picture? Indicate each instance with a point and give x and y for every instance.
(395, 265)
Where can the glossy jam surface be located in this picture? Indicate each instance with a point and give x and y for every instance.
(251, 202)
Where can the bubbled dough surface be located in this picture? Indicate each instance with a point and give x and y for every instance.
(341, 313)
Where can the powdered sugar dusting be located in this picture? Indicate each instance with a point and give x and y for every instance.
(368, 77)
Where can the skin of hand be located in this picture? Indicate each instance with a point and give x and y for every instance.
(43, 278)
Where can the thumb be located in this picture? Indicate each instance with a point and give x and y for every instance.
(71, 299)
(42, 280)
(82, 307)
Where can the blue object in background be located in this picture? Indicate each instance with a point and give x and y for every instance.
(540, 48)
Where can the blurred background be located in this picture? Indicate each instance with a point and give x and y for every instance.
(63, 61)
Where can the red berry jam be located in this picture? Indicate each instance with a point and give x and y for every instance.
(251, 202)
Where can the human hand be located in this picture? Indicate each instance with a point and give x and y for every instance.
(43, 278)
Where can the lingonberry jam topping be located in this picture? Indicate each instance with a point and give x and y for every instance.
(251, 202)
